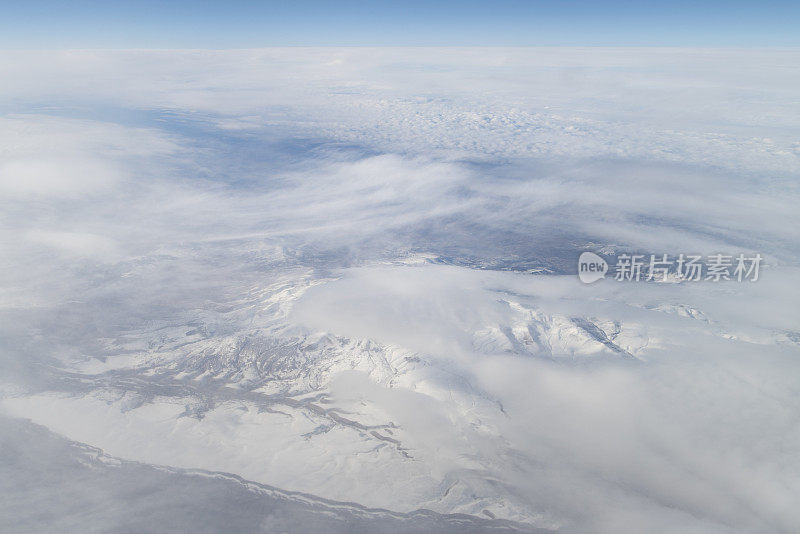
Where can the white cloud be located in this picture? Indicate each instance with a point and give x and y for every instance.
(216, 222)
(80, 244)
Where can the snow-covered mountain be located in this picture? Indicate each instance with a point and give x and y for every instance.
(226, 303)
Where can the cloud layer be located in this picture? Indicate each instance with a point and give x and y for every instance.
(363, 261)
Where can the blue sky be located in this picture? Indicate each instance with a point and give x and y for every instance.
(235, 24)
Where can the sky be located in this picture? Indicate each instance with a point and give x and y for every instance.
(54, 24)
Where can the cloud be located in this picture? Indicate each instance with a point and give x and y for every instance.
(73, 243)
(730, 109)
(236, 226)
(687, 439)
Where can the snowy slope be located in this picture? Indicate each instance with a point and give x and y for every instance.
(361, 287)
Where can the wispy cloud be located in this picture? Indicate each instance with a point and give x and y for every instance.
(218, 227)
